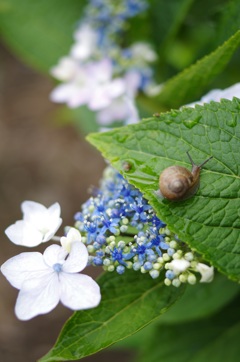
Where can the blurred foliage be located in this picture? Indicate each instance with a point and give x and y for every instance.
(189, 84)
(39, 32)
(181, 31)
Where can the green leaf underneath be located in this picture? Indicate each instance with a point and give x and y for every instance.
(129, 302)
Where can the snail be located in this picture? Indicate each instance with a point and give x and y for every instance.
(177, 183)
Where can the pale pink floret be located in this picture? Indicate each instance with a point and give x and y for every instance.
(92, 86)
(218, 94)
(121, 109)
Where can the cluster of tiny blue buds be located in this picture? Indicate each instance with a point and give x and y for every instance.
(121, 231)
(109, 17)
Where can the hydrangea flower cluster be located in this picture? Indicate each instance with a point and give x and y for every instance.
(99, 72)
(117, 229)
(121, 231)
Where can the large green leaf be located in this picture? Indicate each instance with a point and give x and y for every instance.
(198, 301)
(215, 339)
(202, 300)
(189, 84)
(193, 343)
(40, 32)
(209, 221)
(129, 302)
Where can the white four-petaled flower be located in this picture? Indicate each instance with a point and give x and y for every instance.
(45, 279)
(39, 224)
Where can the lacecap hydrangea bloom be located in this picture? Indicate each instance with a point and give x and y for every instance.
(121, 232)
(98, 72)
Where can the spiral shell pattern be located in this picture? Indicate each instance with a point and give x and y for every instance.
(175, 182)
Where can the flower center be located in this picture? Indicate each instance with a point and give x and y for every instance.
(57, 267)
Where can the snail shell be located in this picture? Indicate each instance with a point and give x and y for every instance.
(177, 183)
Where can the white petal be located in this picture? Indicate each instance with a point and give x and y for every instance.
(54, 210)
(46, 221)
(55, 225)
(85, 44)
(179, 265)
(99, 99)
(32, 208)
(60, 93)
(65, 93)
(79, 291)
(38, 296)
(23, 233)
(144, 52)
(65, 69)
(101, 71)
(85, 33)
(72, 235)
(77, 259)
(153, 89)
(79, 98)
(206, 272)
(118, 110)
(54, 254)
(217, 94)
(33, 213)
(133, 81)
(116, 87)
(132, 116)
(24, 266)
(102, 94)
(213, 95)
(81, 51)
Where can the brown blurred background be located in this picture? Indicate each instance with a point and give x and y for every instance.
(44, 162)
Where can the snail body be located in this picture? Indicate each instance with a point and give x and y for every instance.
(177, 183)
